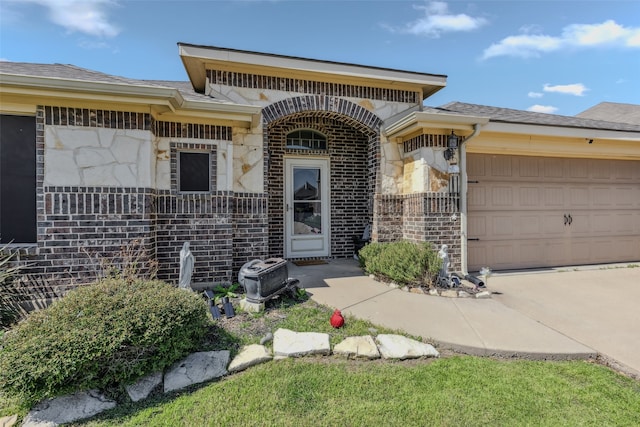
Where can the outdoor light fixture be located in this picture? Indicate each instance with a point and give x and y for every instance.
(452, 144)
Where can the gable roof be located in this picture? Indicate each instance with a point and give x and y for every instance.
(508, 115)
(197, 59)
(613, 112)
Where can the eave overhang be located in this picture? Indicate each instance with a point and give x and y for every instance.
(419, 122)
(163, 101)
(197, 59)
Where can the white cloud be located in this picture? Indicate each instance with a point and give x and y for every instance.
(542, 109)
(608, 33)
(535, 95)
(437, 20)
(84, 16)
(577, 89)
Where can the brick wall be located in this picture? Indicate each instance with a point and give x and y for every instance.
(349, 180)
(79, 226)
(420, 217)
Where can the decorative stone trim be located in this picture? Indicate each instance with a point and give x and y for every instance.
(173, 164)
(191, 130)
(428, 140)
(67, 116)
(346, 111)
(257, 81)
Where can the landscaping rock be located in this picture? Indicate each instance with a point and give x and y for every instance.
(417, 291)
(399, 347)
(143, 387)
(449, 293)
(463, 294)
(294, 344)
(196, 368)
(483, 295)
(268, 337)
(433, 292)
(67, 409)
(358, 347)
(9, 421)
(249, 355)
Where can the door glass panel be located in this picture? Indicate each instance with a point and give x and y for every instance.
(307, 218)
(307, 201)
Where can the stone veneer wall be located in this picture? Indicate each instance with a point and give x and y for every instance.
(79, 225)
(263, 82)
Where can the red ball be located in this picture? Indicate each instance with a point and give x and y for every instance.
(337, 321)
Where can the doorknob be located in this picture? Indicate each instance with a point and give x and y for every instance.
(570, 219)
(566, 219)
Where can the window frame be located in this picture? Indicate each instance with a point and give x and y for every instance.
(209, 154)
(314, 137)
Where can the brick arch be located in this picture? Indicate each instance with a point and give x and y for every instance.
(319, 105)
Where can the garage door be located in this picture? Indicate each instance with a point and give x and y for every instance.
(527, 212)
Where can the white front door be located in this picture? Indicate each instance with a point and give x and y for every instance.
(306, 208)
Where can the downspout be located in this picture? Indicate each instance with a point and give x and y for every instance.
(463, 198)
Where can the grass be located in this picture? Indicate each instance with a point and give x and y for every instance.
(451, 391)
(456, 391)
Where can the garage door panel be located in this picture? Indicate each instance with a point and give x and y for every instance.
(502, 196)
(578, 196)
(554, 196)
(477, 198)
(580, 224)
(580, 251)
(518, 208)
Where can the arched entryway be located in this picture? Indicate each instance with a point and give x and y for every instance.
(320, 195)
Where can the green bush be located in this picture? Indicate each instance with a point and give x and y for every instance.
(403, 262)
(100, 335)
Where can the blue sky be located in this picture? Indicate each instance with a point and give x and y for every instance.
(559, 57)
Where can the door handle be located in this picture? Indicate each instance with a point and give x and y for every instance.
(566, 219)
(570, 219)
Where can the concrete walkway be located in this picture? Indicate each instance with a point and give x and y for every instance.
(507, 325)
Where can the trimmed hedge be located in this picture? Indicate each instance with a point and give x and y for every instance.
(100, 335)
(405, 263)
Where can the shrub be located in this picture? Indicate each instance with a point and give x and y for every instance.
(403, 262)
(9, 307)
(100, 335)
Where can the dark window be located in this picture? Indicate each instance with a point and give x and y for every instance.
(194, 172)
(307, 139)
(17, 179)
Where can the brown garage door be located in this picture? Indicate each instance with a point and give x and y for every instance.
(529, 212)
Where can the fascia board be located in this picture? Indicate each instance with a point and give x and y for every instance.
(111, 92)
(211, 55)
(556, 131)
(420, 120)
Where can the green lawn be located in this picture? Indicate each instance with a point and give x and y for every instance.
(331, 391)
(455, 391)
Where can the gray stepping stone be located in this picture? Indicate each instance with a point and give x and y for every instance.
(144, 386)
(67, 409)
(196, 368)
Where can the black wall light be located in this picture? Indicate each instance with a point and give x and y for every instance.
(452, 144)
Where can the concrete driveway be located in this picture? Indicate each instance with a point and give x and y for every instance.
(596, 306)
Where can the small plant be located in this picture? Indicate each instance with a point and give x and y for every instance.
(403, 262)
(222, 291)
(101, 335)
(10, 310)
(130, 263)
(301, 294)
